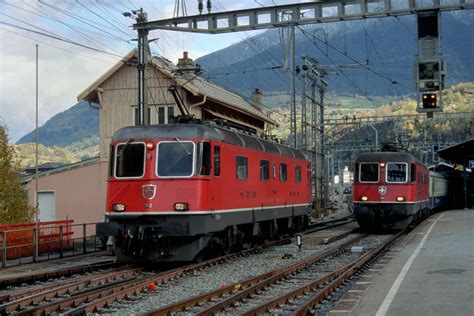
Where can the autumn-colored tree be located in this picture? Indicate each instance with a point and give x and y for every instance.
(13, 198)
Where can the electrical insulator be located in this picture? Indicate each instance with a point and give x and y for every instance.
(200, 6)
(209, 6)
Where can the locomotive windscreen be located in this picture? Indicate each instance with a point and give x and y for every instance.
(130, 160)
(175, 159)
(397, 172)
(369, 172)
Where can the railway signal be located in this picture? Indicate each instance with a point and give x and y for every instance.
(429, 101)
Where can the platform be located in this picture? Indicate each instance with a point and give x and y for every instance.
(432, 274)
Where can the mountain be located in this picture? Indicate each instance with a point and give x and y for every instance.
(387, 45)
(79, 122)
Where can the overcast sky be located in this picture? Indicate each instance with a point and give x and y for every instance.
(66, 69)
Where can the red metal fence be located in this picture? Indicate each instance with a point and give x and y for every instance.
(18, 240)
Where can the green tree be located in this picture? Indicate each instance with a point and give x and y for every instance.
(13, 198)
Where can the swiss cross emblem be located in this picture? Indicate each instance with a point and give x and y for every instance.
(382, 190)
(148, 191)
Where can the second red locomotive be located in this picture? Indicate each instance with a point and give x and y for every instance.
(175, 191)
(391, 189)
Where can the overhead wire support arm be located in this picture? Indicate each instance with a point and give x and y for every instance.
(302, 13)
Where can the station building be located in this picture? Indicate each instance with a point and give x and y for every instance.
(78, 191)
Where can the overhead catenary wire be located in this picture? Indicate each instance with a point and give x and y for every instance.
(61, 39)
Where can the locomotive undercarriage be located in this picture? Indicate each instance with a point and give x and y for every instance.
(388, 216)
(192, 238)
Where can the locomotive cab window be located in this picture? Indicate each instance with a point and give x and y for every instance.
(397, 172)
(204, 159)
(242, 167)
(175, 159)
(369, 172)
(264, 170)
(283, 170)
(130, 160)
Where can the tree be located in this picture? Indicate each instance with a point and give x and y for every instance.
(13, 198)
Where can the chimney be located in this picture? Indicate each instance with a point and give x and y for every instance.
(257, 99)
(185, 63)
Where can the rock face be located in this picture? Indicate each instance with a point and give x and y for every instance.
(79, 122)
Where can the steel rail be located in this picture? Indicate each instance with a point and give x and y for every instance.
(90, 302)
(22, 299)
(323, 286)
(243, 289)
(45, 275)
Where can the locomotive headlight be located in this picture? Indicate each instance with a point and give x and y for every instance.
(382, 164)
(119, 207)
(400, 198)
(364, 198)
(150, 146)
(181, 206)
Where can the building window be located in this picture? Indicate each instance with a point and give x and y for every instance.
(264, 170)
(283, 175)
(298, 174)
(158, 114)
(217, 161)
(162, 115)
(242, 167)
(136, 117)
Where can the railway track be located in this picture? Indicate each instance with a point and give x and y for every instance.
(94, 292)
(292, 289)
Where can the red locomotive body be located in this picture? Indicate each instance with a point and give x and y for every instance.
(176, 190)
(390, 189)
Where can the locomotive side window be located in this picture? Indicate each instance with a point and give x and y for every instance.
(111, 161)
(283, 169)
(264, 170)
(175, 159)
(412, 172)
(242, 167)
(130, 160)
(397, 172)
(217, 161)
(298, 174)
(204, 159)
(369, 172)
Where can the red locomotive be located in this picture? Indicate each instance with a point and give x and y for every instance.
(175, 191)
(391, 189)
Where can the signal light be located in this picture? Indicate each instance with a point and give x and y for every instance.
(429, 100)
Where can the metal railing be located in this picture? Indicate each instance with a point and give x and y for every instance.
(39, 243)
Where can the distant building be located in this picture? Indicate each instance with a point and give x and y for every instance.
(77, 191)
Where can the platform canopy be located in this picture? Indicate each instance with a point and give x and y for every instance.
(460, 153)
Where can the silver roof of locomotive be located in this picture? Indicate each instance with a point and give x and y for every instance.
(192, 131)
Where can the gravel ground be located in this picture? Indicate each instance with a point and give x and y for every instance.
(212, 278)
